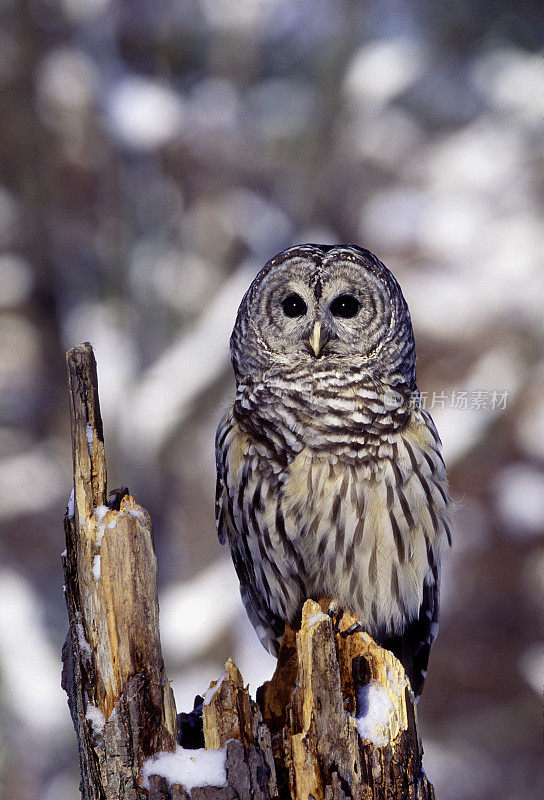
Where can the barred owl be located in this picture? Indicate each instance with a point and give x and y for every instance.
(330, 481)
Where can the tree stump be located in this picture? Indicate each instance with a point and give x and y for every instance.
(342, 716)
(336, 721)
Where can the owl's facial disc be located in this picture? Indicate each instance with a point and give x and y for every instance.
(335, 305)
(309, 312)
(332, 307)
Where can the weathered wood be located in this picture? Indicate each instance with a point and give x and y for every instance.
(309, 717)
(88, 457)
(322, 748)
(121, 703)
(232, 719)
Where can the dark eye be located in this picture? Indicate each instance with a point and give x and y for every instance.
(345, 306)
(294, 306)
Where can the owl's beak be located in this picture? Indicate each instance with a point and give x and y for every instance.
(316, 341)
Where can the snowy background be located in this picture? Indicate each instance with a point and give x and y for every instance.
(154, 156)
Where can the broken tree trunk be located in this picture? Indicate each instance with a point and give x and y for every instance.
(342, 716)
(121, 703)
(336, 721)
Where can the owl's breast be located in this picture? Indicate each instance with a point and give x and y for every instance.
(367, 532)
(370, 532)
(338, 416)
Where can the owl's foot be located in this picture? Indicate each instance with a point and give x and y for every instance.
(355, 628)
(335, 612)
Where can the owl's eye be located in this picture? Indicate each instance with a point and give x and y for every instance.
(345, 306)
(294, 306)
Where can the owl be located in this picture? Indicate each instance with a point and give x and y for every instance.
(330, 479)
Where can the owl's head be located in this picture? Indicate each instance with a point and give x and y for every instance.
(317, 307)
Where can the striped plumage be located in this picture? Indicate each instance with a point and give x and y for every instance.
(330, 478)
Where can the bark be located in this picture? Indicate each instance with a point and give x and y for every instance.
(300, 740)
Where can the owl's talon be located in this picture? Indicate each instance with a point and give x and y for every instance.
(335, 614)
(355, 628)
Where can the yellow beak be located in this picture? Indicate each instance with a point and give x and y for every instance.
(315, 339)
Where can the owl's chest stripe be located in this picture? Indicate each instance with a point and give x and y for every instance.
(405, 508)
(423, 481)
(298, 565)
(397, 536)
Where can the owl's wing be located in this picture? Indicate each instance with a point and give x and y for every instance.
(223, 507)
(269, 626)
(220, 510)
(413, 647)
(423, 451)
(224, 513)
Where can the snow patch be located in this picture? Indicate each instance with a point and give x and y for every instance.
(89, 434)
(137, 512)
(100, 512)
(397, 681)
(84, 646)
(95, 717)
(190, 768)
(71, 506)
(375, 708)
(96, 568)
(317, 617)
(212, 691)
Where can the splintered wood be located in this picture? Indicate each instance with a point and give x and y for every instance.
(121, 704)
(309, 714)
(233, 720)
(317, 744)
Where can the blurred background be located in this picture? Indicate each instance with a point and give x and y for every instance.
(154, 156)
